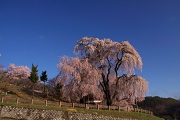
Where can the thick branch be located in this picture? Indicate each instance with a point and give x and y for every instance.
(102, 86)
(109, 70)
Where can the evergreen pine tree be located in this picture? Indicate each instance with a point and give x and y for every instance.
(34, 77)
(44, 78)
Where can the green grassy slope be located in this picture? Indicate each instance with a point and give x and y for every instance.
(15, 92)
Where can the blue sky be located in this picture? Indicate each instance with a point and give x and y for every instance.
(40, 31)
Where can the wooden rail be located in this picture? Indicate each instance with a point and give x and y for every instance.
(73, 105)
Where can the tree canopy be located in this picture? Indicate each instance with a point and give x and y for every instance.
(113, 65)
(43, 76)
(18, 72)
(78, 77)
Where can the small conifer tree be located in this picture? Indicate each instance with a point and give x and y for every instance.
(44, 78)
(34, 77)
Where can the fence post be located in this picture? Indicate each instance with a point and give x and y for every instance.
(17, 100)
(32, 101)
(98, 107)
(86, 106)
(109, 107)
(127, 109)
(141, 110)
(119, 108)
(46, 102)
(151, 113)
(147, 111)
(59, 103)
(2, 99)
(72, 105)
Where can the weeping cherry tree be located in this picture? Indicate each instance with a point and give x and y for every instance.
(116, 63)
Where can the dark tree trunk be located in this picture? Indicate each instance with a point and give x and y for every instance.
(108, 98)
(44, 87)
(106, 89)
(32, 91)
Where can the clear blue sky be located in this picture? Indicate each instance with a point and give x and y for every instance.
(40, 31)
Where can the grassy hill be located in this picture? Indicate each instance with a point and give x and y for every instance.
(167, 108)
(17, 92)
(13, 90)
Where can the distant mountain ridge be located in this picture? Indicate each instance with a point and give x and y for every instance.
(167, 108)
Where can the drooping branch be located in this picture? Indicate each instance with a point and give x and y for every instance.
(79, 78)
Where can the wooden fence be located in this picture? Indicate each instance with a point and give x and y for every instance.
(73, 105)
